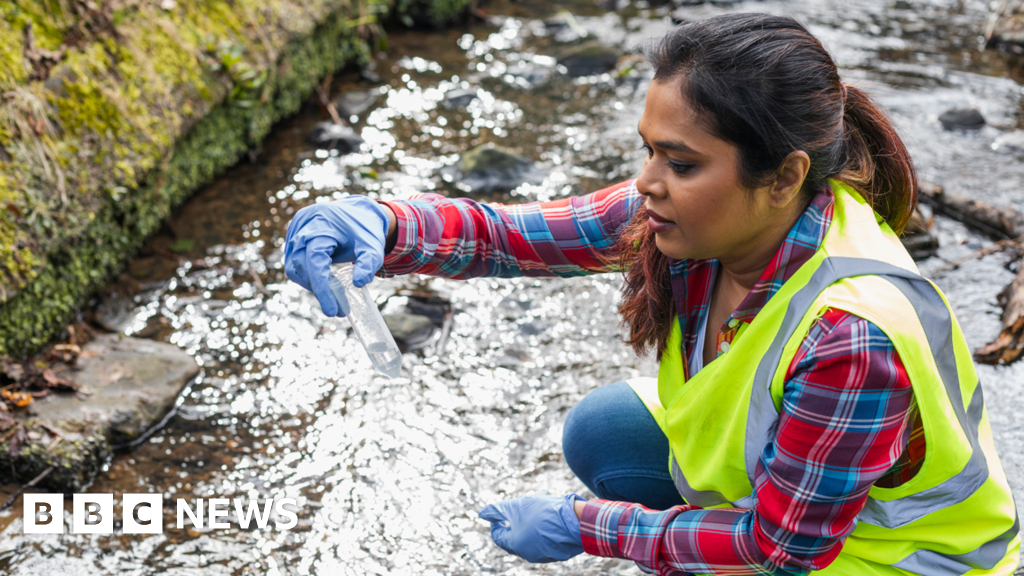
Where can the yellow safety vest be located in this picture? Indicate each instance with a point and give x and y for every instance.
(956, 515)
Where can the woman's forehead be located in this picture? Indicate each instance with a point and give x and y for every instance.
(668, 120)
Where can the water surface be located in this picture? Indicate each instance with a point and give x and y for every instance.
(390, 473)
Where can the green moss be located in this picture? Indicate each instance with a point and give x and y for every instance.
(118, 224)
(75, 463)
(133, 122)
(12, 61)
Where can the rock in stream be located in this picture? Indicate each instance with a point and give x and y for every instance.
(126, 386)
(491, 168)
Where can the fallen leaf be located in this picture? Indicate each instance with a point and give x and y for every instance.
(66, 353)
(51, 380)
(19, 399)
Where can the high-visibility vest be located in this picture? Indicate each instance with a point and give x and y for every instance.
(956, 515)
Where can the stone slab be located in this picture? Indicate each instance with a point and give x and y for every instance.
(126, 386)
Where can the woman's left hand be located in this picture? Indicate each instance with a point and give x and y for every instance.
(536, 528)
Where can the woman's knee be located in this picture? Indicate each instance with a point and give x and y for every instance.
(587, 427)
(611, 427)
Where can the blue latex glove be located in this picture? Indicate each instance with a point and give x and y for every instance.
(352, 229)
(536, 528)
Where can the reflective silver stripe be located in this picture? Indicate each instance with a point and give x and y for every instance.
(938, 326)
(956, 489)
(704, 498)
(937, 323)
(762, 417)
(985, 557)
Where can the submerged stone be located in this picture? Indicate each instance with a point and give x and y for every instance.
(528, 74)
(126, 386)
(356, 102)
(411, 331)
(459, 98)
(436, 308)
(962, 119)
(335, 137)
(490, 168)
(589, 59)
(114, 313)
(491, 157)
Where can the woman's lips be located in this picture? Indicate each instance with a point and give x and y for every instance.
(657, 224)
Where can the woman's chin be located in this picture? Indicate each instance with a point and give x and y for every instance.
(672, 247)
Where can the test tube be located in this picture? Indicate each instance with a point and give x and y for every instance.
(367, 322)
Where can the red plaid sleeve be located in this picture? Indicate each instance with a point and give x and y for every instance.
(460, 238)
(844, 423)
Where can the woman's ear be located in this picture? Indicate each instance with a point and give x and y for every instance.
(790, 179)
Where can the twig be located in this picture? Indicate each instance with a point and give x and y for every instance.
(1000, 245)
(10, 501)
(325, 99)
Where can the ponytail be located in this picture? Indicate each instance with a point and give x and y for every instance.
(878, 164)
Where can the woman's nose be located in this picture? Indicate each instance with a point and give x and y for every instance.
(650, 182)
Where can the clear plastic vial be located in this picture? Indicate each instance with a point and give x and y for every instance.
(367, 322)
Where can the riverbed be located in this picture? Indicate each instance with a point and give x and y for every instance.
(389, 474)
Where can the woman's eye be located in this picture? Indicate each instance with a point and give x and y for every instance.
(648, 149)
(680, 167)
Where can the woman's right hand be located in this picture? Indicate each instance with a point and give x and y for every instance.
(353, 229)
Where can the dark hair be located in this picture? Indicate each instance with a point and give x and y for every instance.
(766, 85)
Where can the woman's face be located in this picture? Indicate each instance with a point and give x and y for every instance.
(696, 201)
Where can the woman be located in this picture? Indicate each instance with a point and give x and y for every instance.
(816, 402)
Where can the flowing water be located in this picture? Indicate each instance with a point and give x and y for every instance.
(389, 474)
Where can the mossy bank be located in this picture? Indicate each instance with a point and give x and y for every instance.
(112, 112)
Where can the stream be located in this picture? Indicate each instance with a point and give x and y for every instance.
(389, 474)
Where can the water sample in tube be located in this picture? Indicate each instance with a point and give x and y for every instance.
(367, 322)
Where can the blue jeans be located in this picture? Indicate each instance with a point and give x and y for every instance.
(613, 444)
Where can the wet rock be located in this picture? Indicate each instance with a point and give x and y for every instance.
(437, 309)
(489, 168)
(411, 331)
(962, 119)
(459, 98)
(589, 59)
(335, 137)
(114, 312)
(126, 387)
(528, 74)
(356, 102)
(154, 325)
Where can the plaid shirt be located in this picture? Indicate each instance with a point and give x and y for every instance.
(847, 400)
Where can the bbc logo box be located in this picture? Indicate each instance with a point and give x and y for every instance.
(93, 514)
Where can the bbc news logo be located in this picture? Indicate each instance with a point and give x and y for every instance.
(143, 513)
